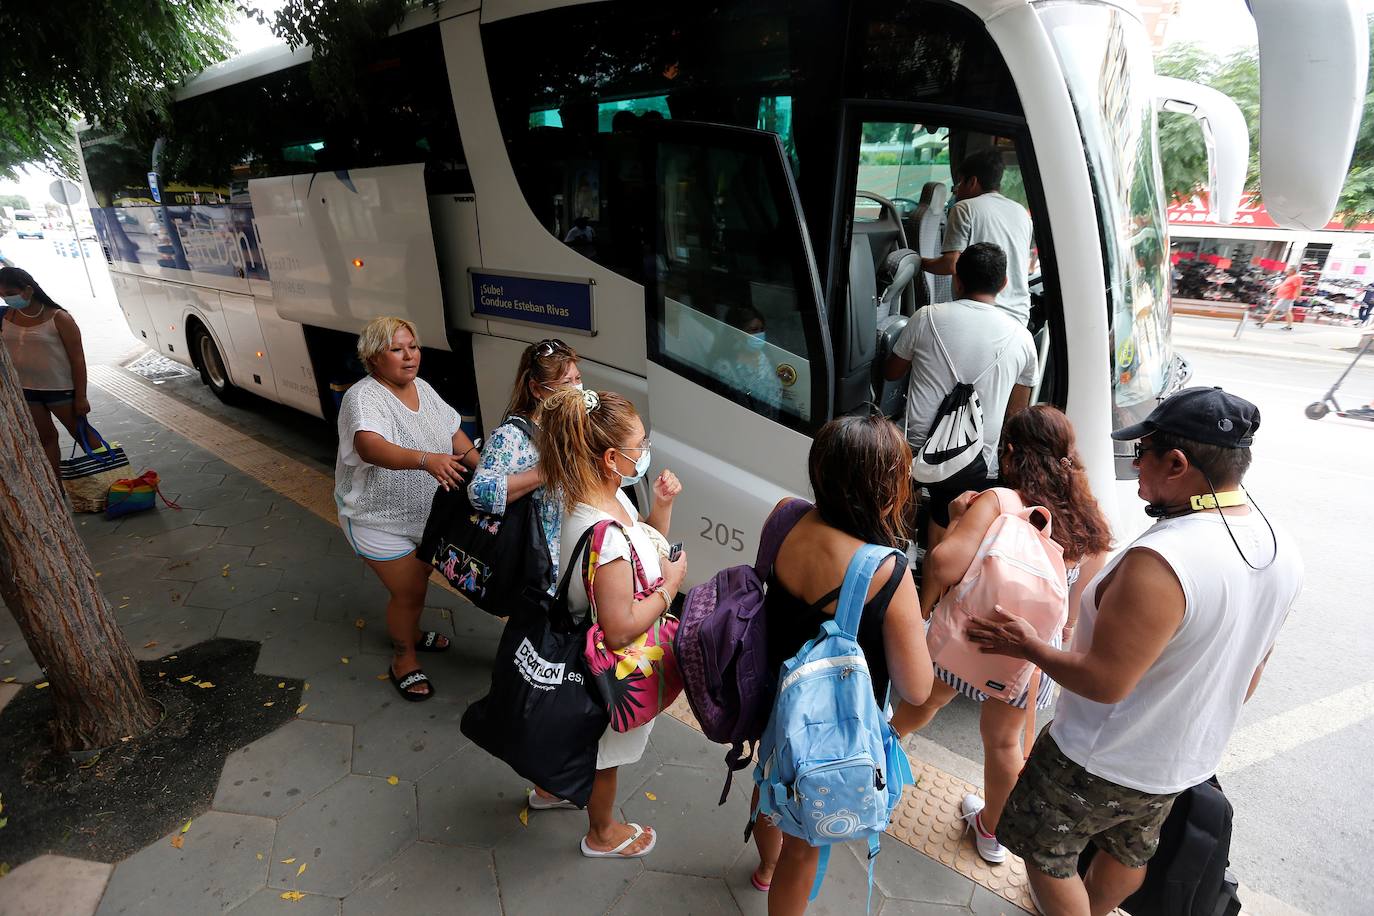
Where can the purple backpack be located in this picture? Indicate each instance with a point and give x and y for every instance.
(722, 647)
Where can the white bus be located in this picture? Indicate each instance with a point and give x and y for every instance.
(638, 178)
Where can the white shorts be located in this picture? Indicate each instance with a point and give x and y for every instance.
(371, 544)
(619, 749)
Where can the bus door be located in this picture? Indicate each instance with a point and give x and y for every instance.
(901, 177)
(739, 364)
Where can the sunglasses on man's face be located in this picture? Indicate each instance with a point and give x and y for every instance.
(1142, 447)
(550, 347)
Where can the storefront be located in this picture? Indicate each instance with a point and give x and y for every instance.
(1235, 264)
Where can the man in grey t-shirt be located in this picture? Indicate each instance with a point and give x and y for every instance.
(988, 348)
(982, 214)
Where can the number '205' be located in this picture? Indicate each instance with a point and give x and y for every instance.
(722, 534)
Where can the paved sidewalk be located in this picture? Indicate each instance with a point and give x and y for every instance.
(368, 804)
(1308, 343)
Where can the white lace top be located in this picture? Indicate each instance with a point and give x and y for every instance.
(396, 502)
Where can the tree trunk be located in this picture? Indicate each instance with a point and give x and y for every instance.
(47, 581)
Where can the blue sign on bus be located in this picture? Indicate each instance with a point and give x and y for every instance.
(564, 304)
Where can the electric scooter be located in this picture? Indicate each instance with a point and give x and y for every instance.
(1318, 409)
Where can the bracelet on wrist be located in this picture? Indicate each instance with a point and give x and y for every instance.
(424, 456)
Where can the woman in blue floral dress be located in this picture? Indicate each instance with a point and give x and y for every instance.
(510, 462)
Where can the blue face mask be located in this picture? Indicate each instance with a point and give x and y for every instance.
(16, 301)
(756, 341)
(641, 468)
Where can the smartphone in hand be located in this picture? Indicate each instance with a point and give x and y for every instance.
(675, 552)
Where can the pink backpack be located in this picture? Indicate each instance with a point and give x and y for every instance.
(1018, 567)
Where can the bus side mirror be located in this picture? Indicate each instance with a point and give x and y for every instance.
(1314, 61)
(1225, 133)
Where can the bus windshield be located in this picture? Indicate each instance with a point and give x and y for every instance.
(1106, 59)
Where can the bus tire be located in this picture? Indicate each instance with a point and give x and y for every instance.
(211, 365)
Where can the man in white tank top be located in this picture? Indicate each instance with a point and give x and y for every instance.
(1172, 638)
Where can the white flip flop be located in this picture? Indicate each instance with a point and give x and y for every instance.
(538, 803)
(616, 853)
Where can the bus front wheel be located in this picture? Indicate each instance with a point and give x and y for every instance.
(211, 365)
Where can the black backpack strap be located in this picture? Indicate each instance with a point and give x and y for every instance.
(880, 600)
(520, 423)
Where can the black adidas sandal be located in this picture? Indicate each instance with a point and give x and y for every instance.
(429, 642)
(403, 684)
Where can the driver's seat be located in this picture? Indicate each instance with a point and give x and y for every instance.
(929, 236)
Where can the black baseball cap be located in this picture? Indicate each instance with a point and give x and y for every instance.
(1207, 415)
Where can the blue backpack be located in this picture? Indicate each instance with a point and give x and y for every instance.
(830, 766)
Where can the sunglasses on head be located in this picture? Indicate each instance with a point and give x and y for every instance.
(551, 346)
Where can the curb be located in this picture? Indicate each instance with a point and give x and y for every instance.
(1187, 343)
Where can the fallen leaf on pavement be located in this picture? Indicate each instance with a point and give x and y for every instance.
(171, 658)
(4, 869)
(392, 780)
(185, 827)
(183, 680)
(380, 677)
(40, 686)
(344, 659)
(259, 857)
(224, 570)
(270, 703)
(178, 841)
(290, 861)
(204, 684)
(8, 680)
(305, 686)
(300, 871)
(149, 645)
(162, 674)
(281, 683)
(360, 623)
(301, 708)
(292, 896)
(525, 815)
(651, 796)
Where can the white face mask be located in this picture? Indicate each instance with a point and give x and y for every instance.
(641, 468)
(553, 388)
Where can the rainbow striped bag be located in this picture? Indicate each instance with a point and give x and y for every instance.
(134, 494)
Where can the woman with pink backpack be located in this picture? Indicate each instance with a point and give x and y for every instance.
(1041, 468)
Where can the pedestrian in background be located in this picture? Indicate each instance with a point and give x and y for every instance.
(44, 344)
(1366, 305)
(858, 470)
(592, 444)
(1041, 463)
(1286, 292)
(1174, 634)
(398, 442)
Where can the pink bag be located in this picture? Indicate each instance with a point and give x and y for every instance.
(641, 680)
(1018, 567)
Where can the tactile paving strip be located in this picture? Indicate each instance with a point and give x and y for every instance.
(927, 819)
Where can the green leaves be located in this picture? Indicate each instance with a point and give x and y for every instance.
(110, 63)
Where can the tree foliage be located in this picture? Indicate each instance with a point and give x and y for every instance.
(338, 31)
(17, 201)
(112, 62)
(1185, 155)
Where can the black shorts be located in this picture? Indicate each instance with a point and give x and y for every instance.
(942, 494)
(35, 396)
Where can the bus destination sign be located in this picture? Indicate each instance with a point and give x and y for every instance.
(556, 303)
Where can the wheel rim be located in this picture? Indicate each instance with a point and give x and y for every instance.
(209, 358)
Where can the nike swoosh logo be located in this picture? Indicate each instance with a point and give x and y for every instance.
(937, 458)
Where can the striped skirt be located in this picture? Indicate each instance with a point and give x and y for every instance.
(1043, 699)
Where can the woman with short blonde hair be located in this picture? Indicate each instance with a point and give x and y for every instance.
(398, 442)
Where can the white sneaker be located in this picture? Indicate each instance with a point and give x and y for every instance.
(988, 847)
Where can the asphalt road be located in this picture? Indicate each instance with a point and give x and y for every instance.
(1296, 769)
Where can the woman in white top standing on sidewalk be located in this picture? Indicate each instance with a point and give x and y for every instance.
(592, 444)
(398, 442)
(45, 345)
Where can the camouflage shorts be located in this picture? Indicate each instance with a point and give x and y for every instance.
(1057, 807)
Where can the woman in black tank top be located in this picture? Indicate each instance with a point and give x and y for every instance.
(859, 470)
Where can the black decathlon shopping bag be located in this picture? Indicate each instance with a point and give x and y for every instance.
(541, 715)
